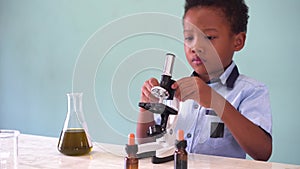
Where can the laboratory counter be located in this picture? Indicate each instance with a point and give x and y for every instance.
(41, 152)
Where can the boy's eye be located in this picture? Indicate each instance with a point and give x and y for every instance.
(188, 38)
(210, 37)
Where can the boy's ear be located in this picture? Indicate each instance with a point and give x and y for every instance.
(239, 41)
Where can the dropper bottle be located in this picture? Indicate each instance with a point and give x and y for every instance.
(180, 155)
(131, 161)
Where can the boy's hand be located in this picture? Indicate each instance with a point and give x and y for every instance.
(146, 90)
(193, 88)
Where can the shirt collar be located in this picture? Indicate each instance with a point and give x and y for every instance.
(228, 77)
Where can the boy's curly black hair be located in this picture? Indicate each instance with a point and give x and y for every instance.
(236, 11)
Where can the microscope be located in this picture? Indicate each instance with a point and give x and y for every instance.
(164, 132)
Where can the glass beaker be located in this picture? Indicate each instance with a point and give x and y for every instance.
(9, 149)
(74, 138)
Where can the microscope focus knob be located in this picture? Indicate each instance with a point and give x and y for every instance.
(155, 130)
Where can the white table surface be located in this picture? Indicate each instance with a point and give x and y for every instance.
(41, 152)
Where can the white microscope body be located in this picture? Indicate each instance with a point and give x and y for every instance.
(162, 150)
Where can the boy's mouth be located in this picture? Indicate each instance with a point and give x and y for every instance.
(197, 60)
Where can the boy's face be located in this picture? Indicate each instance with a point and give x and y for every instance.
(209, 43)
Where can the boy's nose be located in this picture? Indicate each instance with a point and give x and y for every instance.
(196, 50)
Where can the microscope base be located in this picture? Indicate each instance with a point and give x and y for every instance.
(157, 160)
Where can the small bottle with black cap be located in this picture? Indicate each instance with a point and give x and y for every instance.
(131, 161)
(180, 155)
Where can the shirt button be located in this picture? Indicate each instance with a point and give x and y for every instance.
(189, 135)
(196, 106)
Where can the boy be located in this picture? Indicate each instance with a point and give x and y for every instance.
(222, 112)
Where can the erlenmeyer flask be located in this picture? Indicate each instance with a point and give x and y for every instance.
(74, 138)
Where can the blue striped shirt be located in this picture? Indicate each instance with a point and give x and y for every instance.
(204, 130)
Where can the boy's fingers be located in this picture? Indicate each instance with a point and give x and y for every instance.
(146, 90)
(153, 82)
(174, 86)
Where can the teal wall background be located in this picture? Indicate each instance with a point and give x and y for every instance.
(44, 43)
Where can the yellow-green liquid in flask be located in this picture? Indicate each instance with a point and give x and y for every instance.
(74, 142)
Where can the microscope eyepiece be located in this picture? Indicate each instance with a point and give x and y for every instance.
(169, 62)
